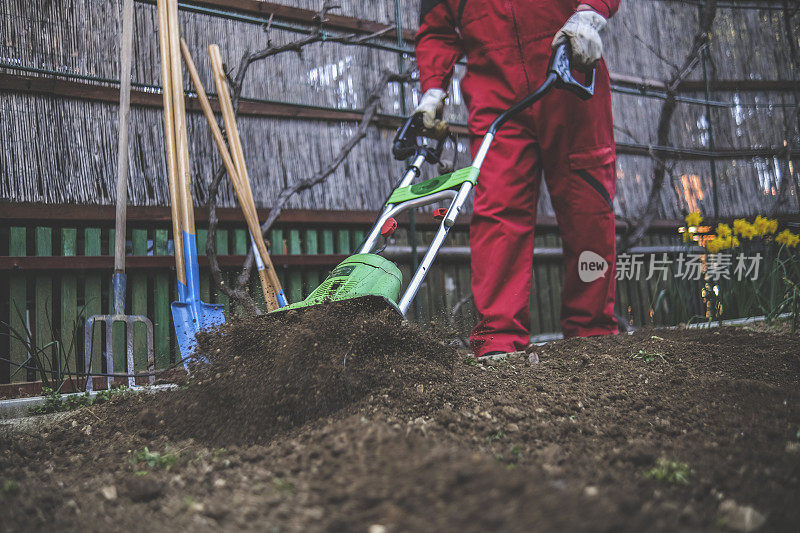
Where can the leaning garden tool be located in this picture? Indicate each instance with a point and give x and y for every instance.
(119, 280)
(369, 274)
(270, 284)
(169, 137)
(190, 315)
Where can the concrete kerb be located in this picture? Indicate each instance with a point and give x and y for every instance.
(21, 407)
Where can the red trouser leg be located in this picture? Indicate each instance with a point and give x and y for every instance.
(501, 239)
(576, 140)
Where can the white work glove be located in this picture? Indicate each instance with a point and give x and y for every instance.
(582, 31)
(432, 108)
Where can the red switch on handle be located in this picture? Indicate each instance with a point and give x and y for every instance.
(388, 227)
(440, 213)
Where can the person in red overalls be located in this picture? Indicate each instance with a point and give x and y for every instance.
(571, 142)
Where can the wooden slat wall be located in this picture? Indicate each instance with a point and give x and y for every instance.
(54, 303)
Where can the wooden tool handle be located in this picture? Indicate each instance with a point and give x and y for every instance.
(248, 208)
(169, 136)
(246, 198)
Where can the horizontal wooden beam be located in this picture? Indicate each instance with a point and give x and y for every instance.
(700, 85)
(302, 16)
(150, 262)
(100, 93)
(78, 215)
(358, 25)
(67, 215)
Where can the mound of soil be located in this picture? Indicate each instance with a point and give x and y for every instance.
(272, 372)
(657, 431)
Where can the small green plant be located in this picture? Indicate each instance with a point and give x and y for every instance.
(496, 436)
(282, 485)
(217, 454)
(670, 472)
(470, 361)
(516, 451)
(648, 357)
(10, 488)
(105, 396)
(53, 403)
(154, 459)
(49, 360)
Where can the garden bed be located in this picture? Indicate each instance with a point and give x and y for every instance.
(325, 421)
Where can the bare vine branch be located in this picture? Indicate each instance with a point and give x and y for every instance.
(699, 43)
(238, 292)
(370, 110)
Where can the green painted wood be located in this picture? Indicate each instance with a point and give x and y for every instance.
(222, 249)
(241, 242)
(358, 238)
(343, 241)
(120, 355)
(92, 288)
(312, 275)
(162, 329)
(295, 274)
(43, 295)
(328, 244)
(276, 244)
(205, 275)
(138, 291)
(18, 305)
(71, 322)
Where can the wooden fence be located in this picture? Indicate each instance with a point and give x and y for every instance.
(56, 263)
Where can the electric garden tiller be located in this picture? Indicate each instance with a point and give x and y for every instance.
(369, 274)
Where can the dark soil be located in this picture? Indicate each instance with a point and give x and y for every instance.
(343, 419)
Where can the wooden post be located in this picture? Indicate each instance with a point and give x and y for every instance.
(71, 326)
(139, 302)
(162, 330)
(92, 294)
(44, 305)
(18, 306)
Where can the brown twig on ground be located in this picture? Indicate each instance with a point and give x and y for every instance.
(707, 15)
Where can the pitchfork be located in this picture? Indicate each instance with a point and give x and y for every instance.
(119, 279)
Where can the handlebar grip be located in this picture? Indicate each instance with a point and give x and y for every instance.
(405, 140)
(561, 67)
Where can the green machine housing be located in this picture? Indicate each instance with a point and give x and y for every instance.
(358, 275)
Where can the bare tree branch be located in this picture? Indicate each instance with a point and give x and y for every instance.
(370, 110)
(700, 41)
(238, 293)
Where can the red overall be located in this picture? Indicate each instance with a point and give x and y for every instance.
(571, 142)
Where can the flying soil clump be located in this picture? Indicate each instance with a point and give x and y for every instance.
(276, 371)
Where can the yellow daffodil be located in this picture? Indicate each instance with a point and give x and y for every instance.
(694, 218)
(735, 242)
(738, 225)
(714, 245)
(723, 230)
(787, 238)
(747, 231)
(688, 236)
(772, 226)
(763, 225)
